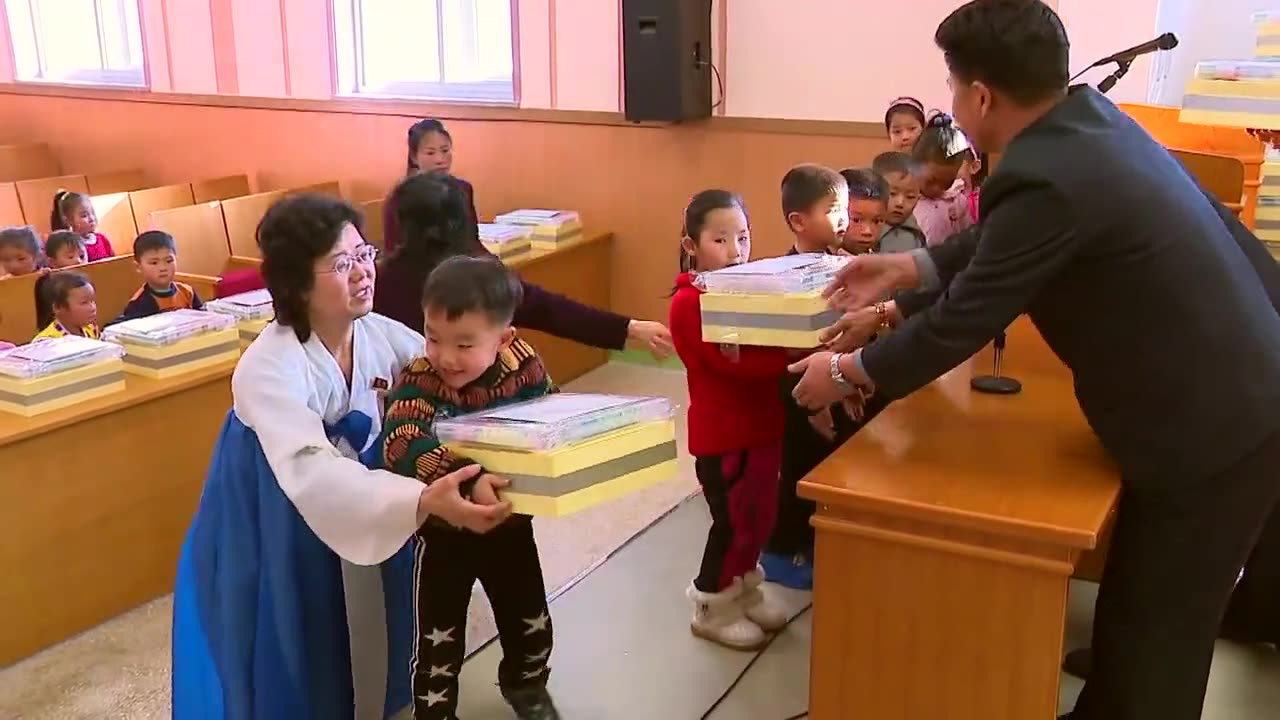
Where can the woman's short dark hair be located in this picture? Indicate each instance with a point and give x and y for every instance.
(435, 220)
(295, 232)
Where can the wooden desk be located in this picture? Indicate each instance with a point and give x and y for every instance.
(95, 501)
(947, 531)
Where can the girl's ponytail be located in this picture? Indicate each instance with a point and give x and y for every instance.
(56, 218)
(941, 142)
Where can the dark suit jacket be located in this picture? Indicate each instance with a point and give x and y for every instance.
(1164, 307)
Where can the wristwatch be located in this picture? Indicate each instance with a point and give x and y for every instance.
(838, 377)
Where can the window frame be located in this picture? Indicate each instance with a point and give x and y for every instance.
(347, 46)
(138, 78)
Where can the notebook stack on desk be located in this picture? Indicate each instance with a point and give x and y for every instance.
(567, 452)
(1267, 26)
(252, 311)
(176, 342)
(551, 228)
(1240, 93)
(1268, 215)
(47, 375)
(506, 241)
(775, 302)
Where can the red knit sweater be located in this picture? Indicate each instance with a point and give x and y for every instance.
(734, 402)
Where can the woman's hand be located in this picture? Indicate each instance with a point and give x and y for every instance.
(866, 279)
(653, 335)
(443, 500)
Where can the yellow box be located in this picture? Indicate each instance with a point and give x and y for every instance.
(250, 330)
(549, 237)
(31, 397)
(793, 321)
(196, 352)
(575, 477)
(509, 250)
(1232, 103)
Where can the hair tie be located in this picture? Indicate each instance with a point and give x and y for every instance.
(907, 100)
(940, 119)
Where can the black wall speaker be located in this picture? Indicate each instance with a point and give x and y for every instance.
(666, 50)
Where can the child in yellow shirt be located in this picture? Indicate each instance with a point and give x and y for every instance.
(67, 306)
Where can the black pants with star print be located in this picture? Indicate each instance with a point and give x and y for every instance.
(446, 566)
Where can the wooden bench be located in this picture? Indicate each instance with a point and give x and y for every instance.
(115, 280)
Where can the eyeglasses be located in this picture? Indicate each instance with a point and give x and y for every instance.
(343, 264)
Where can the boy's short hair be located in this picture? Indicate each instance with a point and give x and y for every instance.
(153, 240)
(60, 239)
(21, 236)
(805, 185)
(866, 184)
(465, 284)
(892, 162)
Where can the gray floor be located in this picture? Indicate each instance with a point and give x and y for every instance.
(623, 650)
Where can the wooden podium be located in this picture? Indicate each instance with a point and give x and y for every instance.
(947, 532)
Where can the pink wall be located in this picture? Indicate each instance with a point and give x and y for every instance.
(858, 53)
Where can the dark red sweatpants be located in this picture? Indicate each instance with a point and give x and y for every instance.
(741, 489)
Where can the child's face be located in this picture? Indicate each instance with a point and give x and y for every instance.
(904, 193)
(865, 218)
(937, 178)
(463, 348)
(69, 255)
(81, 308)
(724, 240)
(904, 129)
(158, 267)
(822, 226)
(435, 152)
(16, 260)
(82, 220)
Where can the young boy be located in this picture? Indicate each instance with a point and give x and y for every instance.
(473, 361)
(65, 249)
(901, 232)
(868, 197)
(19, 251)
(815, 203)
(157, 258)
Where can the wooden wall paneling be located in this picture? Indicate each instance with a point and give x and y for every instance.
(373, 230)
(115, 220)
(25, 161)
(116, 181)
(151, 200)
(200, 235)
(242, 215)
(10, 206)
(220, 188)
(332, 187)
(36, 197)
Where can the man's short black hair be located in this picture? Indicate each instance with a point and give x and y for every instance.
(891, 162)
(153, 240)
(805, 185)
(866, 184)
(1017, 47)
(463, 284)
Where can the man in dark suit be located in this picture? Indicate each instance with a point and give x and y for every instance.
(1165, 308)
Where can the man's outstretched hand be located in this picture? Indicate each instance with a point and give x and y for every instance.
(868, 279)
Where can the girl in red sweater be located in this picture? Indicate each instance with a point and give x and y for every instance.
(74, 211)
(735, 434)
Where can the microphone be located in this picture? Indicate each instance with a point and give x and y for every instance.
(995, 383)
(1167, 41)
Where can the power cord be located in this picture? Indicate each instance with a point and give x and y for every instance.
(719, 81)
(729, 690)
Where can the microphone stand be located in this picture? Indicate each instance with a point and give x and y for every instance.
(995, 383)
(1122, 68)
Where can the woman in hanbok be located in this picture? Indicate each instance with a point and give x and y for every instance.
(293, 594)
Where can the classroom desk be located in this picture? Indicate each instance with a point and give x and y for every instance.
(947, 531)
(95, 501)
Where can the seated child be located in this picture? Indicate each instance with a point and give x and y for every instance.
(868, 197)
(65, 249)
(157, 258)
(904, 121)
(815, 203)
(735, 433)
(937, 159)
(19, 251)
(74, 211)
(473, 361)
(67, 306)
(901, 232)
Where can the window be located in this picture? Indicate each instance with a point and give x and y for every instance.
(455, 50)
(93, 42)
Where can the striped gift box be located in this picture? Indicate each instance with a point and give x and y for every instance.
(1234, 93)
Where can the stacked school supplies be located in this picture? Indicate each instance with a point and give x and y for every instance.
(551, 228)
(50, 374)
(1240, 93)
(1266, 23)
(775, 302)
(252, 311)
(176, 342)
(506, 241)
(566, 452)
(1268, 215)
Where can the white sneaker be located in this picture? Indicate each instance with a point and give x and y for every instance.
(758, 606)
(721, 619)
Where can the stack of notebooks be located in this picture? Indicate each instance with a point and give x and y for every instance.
(1268, 217)
(1240, 93)
(567, 452)
(252, 311)
(551, 228)
(1267, 43)
(506, 241)
(775, 302)
(51, 374)
(176, 342)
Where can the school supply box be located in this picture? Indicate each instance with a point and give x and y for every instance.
(775, 302)
(252, 310)
(566, 452)
(51, 374)
(176, 342)
(506, 241)
(551, 228)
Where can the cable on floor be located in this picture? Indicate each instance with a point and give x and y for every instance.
(729, 690)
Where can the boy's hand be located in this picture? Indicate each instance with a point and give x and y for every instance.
(442, 499)
(485, 491)
(823, 424)
(653, 335)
